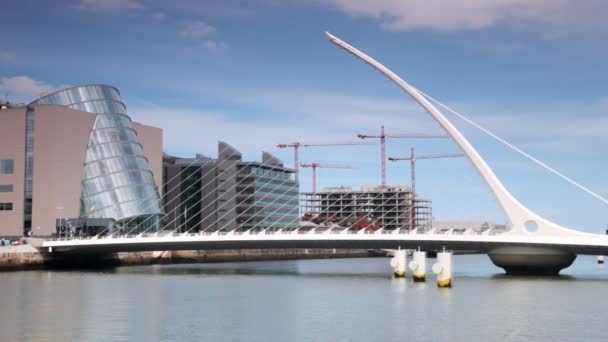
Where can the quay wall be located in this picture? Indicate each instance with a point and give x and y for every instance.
(27, 257)
(21, 257)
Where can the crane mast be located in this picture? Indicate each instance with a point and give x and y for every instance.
(412, 159)
(383, 138)
(296, 151)
(314, 167)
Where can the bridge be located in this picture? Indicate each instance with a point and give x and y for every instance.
(531, 243)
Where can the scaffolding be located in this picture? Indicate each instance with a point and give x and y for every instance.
(389, 207)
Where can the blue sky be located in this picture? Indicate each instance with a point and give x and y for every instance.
(260, 72)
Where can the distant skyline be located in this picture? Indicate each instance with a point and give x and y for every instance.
(257, 73)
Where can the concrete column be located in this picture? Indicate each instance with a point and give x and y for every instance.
(418, 266)
(399, 263)
(443, 269)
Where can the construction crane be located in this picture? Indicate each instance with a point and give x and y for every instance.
(296, 146)
(314, 167)
(412, 158)
(383, 138)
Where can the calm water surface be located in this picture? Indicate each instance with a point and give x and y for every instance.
(312, 300)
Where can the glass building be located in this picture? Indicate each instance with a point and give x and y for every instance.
(227, 193)
(117, 182)
(269, 198)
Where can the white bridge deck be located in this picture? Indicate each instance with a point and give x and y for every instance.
(591, 244)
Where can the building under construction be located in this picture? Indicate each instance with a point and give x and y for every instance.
(373, 208)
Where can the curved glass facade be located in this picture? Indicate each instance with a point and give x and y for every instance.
(117, 179)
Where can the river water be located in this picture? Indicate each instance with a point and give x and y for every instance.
(306, 300)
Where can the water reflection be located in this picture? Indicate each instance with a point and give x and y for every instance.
(350, 299)
(310, 268)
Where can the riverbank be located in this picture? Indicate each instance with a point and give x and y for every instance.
(27, 257)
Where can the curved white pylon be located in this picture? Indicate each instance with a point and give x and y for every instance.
(516, 213)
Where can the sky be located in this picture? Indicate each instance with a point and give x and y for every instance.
(260, 72)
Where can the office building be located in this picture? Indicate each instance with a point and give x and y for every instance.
(227, 193)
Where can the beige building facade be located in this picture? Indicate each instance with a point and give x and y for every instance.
(59, 162)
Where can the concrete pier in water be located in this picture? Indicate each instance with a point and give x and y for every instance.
(418, 266)
(443, 269)
(399, 263)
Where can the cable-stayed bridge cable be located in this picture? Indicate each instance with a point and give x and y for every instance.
(516, 149)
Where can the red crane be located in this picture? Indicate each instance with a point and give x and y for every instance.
(296, 146)
(412, 158)
(383, 138)
(314, 167)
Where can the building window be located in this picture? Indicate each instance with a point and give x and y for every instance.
(7, 166)
(6, 206)
(29, 170)
(6, 187)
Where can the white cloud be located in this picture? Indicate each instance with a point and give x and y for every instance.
(401, 15)
(24, 88)
(196, 29)
(213, 45)
(493, 47)
(552, 124)
(109, 5)
(327, 107)
(314, 116)
(182, 129)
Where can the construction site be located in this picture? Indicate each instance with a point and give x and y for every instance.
(371, 208)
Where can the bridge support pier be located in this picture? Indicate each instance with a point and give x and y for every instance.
(399, 263)
(531, 260)
(418, 266)
(443, 269)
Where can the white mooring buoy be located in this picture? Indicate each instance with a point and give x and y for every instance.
(418, 266)
(443, 269)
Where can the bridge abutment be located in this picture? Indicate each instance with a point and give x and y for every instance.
(531, 260)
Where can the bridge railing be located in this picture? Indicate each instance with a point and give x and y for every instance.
(330, 231)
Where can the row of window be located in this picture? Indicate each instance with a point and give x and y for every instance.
(285, 194)
(268, 172)
(115, 180)
(111, 165)
(114, 149)
(120, 195)
(274, 185)
(80, 94)
(265, 211)
(6, 206)
(104, 106)
(128, 209)
(270, 202)
(7, 166)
